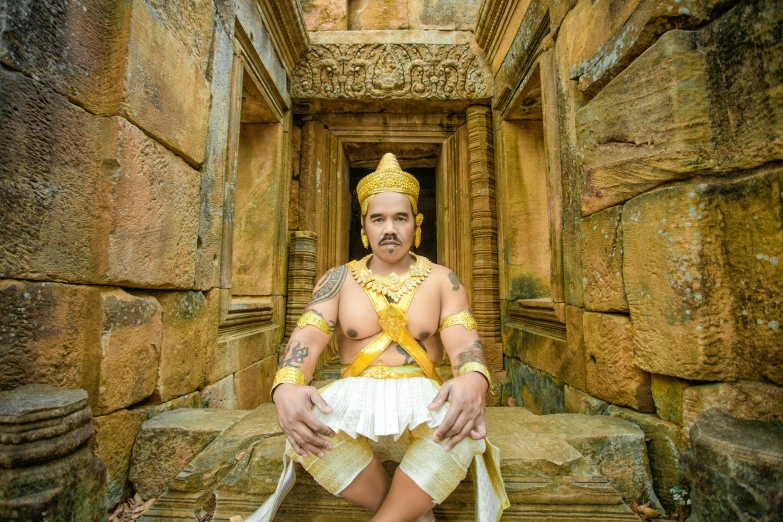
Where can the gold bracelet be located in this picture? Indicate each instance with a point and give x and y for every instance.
(464, 318)
(288, 375)
(476, 367)
(311, 317)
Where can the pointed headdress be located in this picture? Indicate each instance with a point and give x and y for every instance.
(389, 177)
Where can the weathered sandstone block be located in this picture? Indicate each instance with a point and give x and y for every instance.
(110, 57)
(168, 442)
(630, 146)
(611, 374)
(443, 14)
(154, 212)
(97, 338)
(603, 262)
(577, 401)
(535, 390)
(177, 115)
(190, 321)
(745, 400)
(252, 384)
(735, 468)
(51, 181)
(50, 334)
(113, 442)
(703, 278)
(548, 350)
(665, 442)
(673, 113)
(220, 394)
(617, 449)
(326, 15)
(668, 394)
(130, 349)
(90, 199)
(610, 36)
(234, 353)
(384, 14)
(77, 49)
(209, 467)
(210, 228)
(191, 400)
(190, 23)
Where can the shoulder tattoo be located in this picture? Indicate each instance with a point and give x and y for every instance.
(455, 281)
(329, 285)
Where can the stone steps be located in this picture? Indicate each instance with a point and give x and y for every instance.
(555, 467)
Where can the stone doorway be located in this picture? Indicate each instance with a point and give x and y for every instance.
(427, 206)
(337, 150)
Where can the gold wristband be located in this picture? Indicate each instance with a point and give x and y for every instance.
(289, 375)
(476, 367)
(311, 317)
(464, 318)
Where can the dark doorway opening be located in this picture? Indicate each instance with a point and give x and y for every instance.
(427, 206)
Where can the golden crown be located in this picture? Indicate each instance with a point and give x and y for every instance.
(388, 177)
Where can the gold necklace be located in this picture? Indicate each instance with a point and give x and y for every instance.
(393, 286)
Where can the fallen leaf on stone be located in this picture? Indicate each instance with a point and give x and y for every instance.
(239, 456)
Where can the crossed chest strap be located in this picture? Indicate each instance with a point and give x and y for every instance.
(394, 325)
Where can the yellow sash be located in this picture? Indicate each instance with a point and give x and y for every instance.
(394, 322)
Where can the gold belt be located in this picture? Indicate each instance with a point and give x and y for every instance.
(381, 371)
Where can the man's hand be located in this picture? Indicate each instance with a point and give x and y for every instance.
(294, 404)
(466, 412)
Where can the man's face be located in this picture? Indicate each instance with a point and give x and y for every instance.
(390, 226)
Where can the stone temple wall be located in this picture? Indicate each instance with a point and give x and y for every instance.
(114, 143)
(639, 143)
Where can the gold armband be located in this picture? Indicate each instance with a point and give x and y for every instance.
(311, 317)
(464, 318)
(289, 375)
(476, 367)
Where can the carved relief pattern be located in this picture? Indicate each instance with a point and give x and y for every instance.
(484, 231)
(301, 277)
(396, 71)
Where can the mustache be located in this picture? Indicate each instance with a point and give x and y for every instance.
(389, 237)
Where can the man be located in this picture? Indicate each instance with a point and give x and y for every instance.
(393, 313)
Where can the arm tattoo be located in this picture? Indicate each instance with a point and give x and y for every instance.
(473, 353)
(319, 314)
(295, 355)
(329, 286)
(454, 281)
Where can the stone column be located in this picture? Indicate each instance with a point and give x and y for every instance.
(301, 277)
(47, 471)
(486, 304)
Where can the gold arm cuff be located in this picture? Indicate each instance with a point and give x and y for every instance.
(464, 318)
(289, 375)
(476, 367)
(312, 318)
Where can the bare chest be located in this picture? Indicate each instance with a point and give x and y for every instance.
(357, 318)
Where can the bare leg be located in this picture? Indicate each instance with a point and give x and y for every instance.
(405, 502)
(370, 486)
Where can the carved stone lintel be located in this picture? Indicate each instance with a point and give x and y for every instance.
(392, 71)
(484, 231)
